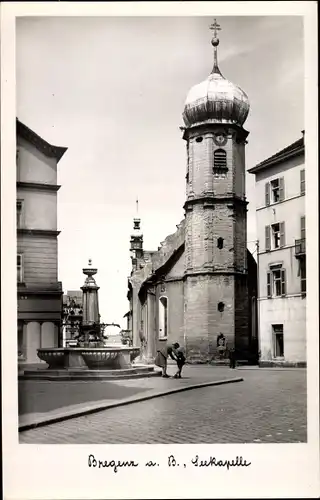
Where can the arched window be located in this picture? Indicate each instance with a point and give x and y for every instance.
(221, 307)
(220, 159)
(220, 243)
(163, 317)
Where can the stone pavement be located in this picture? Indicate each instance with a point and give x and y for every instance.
(42, 402)
(269, 406)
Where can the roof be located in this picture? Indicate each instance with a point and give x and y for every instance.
(295, 149)
(43, 146)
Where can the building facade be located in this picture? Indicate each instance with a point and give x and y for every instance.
(38, 288)
(281, 225)
(72, 315)
(199, 288)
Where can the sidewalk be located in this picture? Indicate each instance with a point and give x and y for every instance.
(44, 402)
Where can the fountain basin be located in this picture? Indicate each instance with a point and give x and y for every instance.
(88, 358)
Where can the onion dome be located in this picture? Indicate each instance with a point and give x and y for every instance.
(216, 99)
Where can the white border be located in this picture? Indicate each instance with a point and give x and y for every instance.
(54, 472)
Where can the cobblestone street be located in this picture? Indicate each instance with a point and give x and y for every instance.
(269, 406)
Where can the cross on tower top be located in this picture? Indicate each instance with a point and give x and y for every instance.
(215, 27)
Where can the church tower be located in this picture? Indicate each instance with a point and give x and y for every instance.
(215, 277)
(136, 242)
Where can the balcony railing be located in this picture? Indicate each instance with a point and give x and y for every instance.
(300, 247)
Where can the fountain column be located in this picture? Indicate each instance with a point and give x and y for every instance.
(90, 303)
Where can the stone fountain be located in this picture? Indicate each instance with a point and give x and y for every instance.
(90, 359)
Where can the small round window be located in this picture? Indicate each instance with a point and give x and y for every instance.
(199, 139)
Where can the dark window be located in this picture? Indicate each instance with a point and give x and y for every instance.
(19, 268)
(302, 182)
(20, 340)
(278, 343)
(19, 213)
(275, 190)
(275, 235)
(220, 159)
(163, 317)
(17, 165)
(220, 243)
(221, 307)
(278, 235)
(199, 139)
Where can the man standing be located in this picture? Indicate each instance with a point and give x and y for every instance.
(232, 357)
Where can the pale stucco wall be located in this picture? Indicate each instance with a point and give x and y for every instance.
(39, 209)
(291, 309)
(34, 166)
(291, 313)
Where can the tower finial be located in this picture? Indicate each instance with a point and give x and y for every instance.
(215, 27)
(136, 220)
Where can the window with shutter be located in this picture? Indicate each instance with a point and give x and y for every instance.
(220, 162)
(303, 227)
(267, 193)
(283, 282)
(269, 285)
(267, 239)
(281, 189)
(302, 182)
(275, 228)
(282, 234)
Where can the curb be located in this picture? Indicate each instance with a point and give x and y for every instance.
(271, 368)
(72, 378)
(134, 399)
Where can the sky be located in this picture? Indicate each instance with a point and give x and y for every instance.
(112, 90)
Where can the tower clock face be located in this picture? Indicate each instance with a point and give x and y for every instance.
(220, 139)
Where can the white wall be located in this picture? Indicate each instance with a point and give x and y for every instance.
(39, 209)
(291, 312)
(34, 166)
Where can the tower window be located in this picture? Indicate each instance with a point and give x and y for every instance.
(221, 307)
(199, 139)
(220, 162)
(220, 243)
